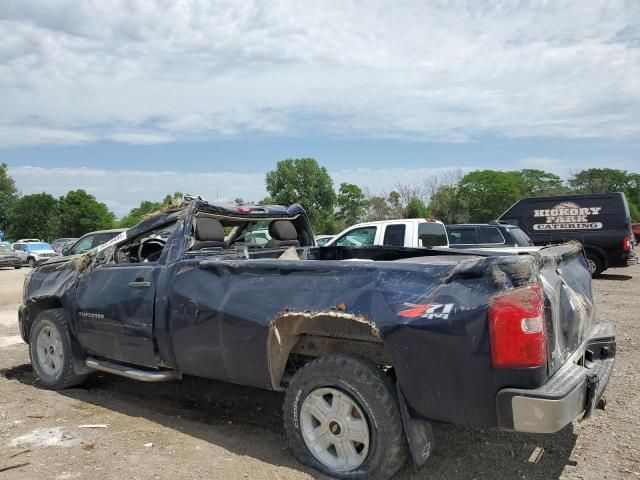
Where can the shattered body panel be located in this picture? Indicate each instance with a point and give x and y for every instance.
(237, 316)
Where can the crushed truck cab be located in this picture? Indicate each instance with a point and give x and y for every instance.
(370, 344)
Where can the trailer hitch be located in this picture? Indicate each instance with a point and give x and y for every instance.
(591, 401)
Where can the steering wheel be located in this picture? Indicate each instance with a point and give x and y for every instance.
(153, 256)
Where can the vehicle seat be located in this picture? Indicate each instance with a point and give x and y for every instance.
(283, 234)
(209, 234)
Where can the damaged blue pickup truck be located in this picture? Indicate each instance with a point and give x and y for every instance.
(370, 344)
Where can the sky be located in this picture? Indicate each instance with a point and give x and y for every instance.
(133, 99)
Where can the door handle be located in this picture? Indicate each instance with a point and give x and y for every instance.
(139, 284)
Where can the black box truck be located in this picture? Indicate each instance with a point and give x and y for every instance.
(600, 221)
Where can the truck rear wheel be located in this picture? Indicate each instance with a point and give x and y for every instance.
(594, 263)
(342, 417)
(51, 351)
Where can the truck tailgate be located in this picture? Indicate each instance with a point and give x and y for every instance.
(569, 308)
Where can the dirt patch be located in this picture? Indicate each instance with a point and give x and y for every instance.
(46, 437)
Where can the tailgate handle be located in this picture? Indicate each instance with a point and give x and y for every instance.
(139, 283)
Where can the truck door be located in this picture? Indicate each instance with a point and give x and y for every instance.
(115, 312)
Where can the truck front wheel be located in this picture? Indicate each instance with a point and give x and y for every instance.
(342, 417)
(51, 351)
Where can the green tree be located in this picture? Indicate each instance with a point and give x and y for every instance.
(396, 209)
(538, 183)
(34, 216)
(351, 203)
(448, 205)
(600, 180)
(633, 195)
(303, 181)
(8, 196)
(331, 225)
(146, 208)
(377, 208)
(136, 214)
(80, 213)
(489, 193)
(416, 209)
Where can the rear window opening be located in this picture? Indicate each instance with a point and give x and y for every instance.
(394, 235)
(221, 233)
(432, 234)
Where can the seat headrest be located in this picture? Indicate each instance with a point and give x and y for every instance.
(209, 230)
(283, 230)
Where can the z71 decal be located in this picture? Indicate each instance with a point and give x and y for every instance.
(429, 310)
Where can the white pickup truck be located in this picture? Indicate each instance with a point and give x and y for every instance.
(406, 232)
(409, 232)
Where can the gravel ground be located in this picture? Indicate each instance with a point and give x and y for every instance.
(205, 429)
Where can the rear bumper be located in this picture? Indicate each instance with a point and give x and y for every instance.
(573, 390)
(11, 263)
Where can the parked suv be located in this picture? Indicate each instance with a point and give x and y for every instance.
(36, 252)
(91, 240)
(494, 234)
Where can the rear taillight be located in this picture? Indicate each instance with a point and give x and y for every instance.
(627, 244)
(517, 328)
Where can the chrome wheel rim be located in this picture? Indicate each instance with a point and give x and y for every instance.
(50, 353)
(591, 265)
(334, 429)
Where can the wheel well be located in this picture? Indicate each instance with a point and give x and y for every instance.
(598, 253)
(34, 309)
(297, 337)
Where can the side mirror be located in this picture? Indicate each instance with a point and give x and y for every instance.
(65, 251)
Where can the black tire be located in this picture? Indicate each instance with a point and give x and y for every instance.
(64, 376)
(18, 267)
(32, 262)
(373, 392)
(598, 265)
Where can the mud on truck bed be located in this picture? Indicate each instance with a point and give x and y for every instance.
(370, 344)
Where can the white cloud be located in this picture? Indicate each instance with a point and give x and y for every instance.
(149, 72)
